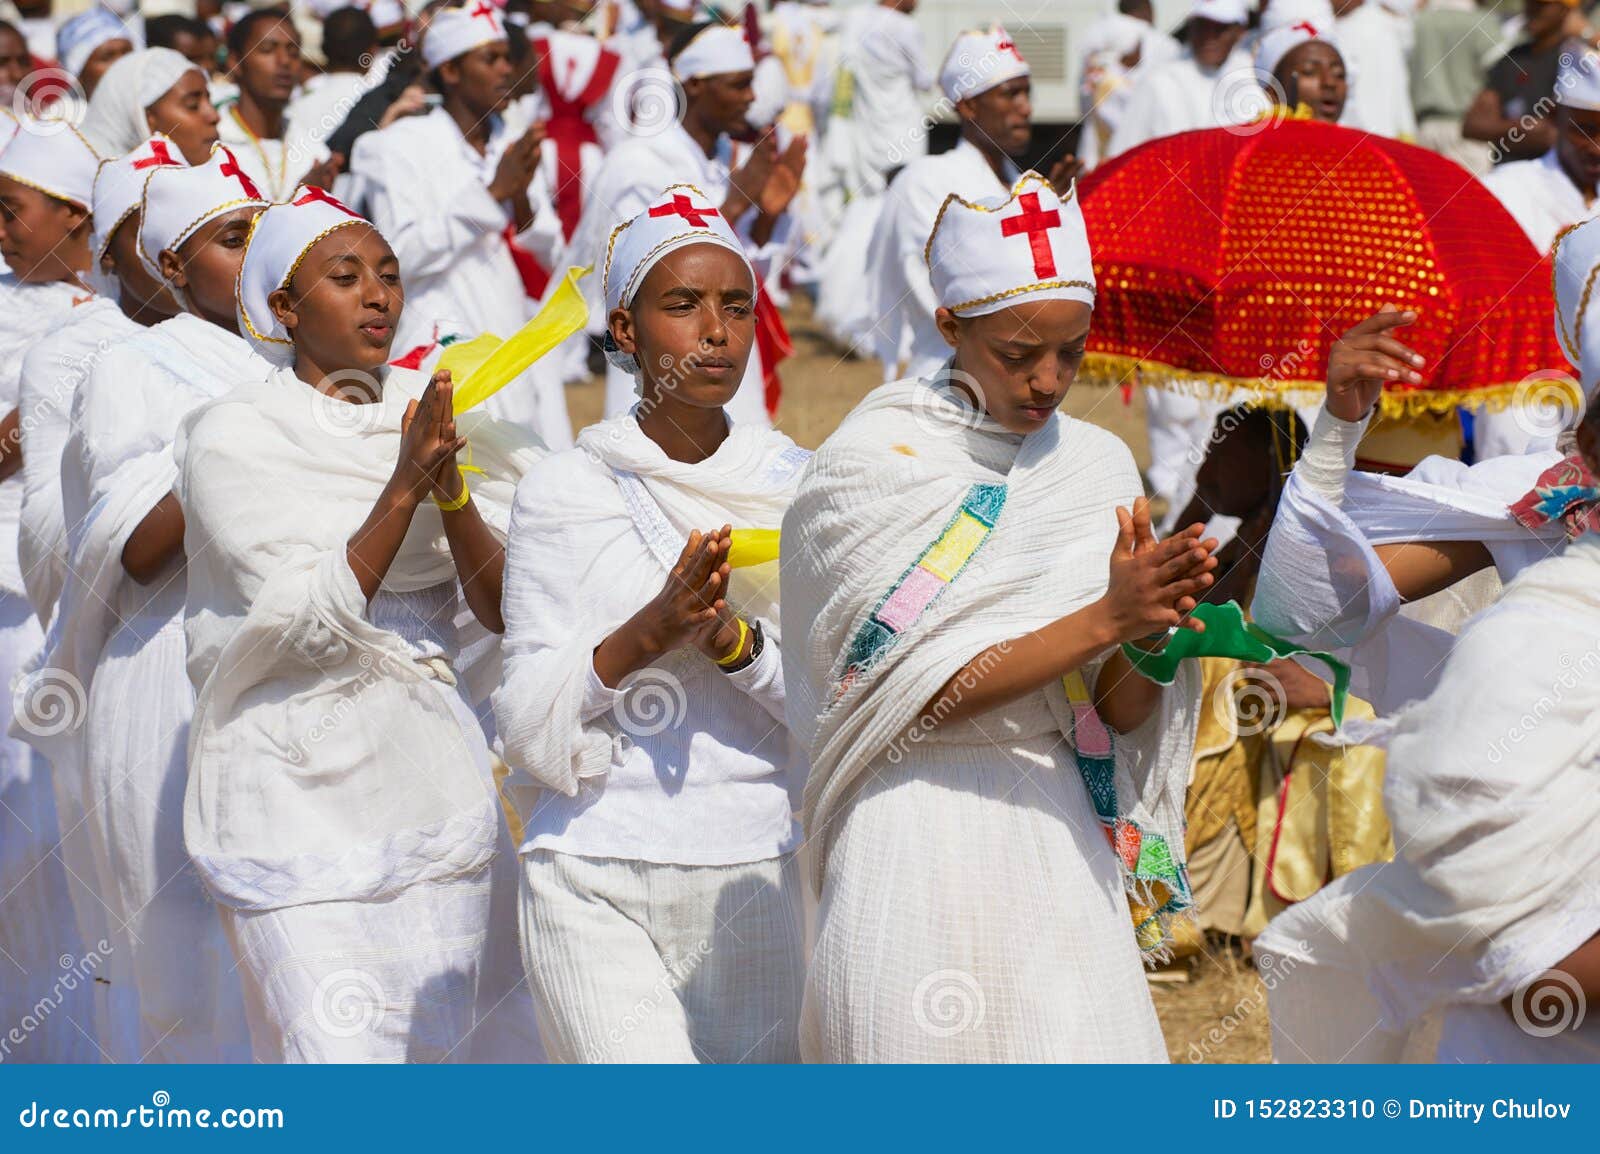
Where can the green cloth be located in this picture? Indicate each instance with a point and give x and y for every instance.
(1228, 634)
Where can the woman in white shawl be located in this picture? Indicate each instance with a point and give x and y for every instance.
(644, 686)
(340, 801)
(945, 588)
(1479, 941)
(153, 90)
(118, 634)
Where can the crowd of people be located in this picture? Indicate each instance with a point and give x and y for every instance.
(359, 717)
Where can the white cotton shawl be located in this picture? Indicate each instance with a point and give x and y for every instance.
(878, 493)
(1491, 788)
(115, 122)
(27, 313)
(747, 483)
(1323, 587)
(322, 767)
(116, 466)
(52, 372)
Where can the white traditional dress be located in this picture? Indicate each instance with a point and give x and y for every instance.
(1380, 88)
(1490, 789)
(972, 908)
(427, 191)
(1181, 96)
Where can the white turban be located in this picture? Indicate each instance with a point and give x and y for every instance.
(279, 240)
(680, 216)
(119, 185)
(988, 255)
(979, 61)
(454, 32)
(179, 200)
(715, 51)
(53, 158)
(78, 37)
(115, 122)
(1221, 11)
(1576, 257)
(1578, 79)
(1273, 46)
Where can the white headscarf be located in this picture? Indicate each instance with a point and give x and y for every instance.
(454, 32)
(715, 51)
(115, 122)
(279, 240)
(1277, 43)
(77, 38)
(988, 255)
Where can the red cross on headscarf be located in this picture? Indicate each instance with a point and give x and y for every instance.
(486, 11)
(314, 194)
(158, 155)
(230, 167)
(1307, 27)
(682, 206)
(1035, 224)
(1008, 45)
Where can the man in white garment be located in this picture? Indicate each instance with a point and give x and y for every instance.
(264, 57)
(450, 190)
(883, 69)
(1211, 85)
(1545, 196)
(714, 65)
(988, 82)
(350, 46)
(1117, 51)
(1369, 40)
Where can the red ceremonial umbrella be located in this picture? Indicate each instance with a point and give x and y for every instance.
(1231, 259)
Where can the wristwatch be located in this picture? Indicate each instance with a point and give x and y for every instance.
(757, 640)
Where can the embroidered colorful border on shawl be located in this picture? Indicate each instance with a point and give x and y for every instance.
(1566, 492)
(921, 584)
(1157, 883)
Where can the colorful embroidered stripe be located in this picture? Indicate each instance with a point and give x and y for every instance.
(1157, 885)
(920, 585)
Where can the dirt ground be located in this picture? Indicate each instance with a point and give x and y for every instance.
(1212, 1007)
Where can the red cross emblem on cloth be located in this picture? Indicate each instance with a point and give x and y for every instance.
(682, 206)
(230, 167)
(1035, 224)
(158, 155)
(1305, 26)
(1008, 46)
(484, 10)
(314, 194)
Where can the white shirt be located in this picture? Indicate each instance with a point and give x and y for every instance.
(898, 288)
(882, 50)
(1380, 82)
(702, 769)
(1540, 195)
(1181, 96)
(274, 164)
(321, 106)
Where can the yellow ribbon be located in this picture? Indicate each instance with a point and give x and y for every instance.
(752, 547)
(484, 365)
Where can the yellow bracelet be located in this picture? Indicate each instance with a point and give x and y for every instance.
(458, 503)
(744, 635)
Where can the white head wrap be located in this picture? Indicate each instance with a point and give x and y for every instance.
(115, 121)
(77, 39)
(456, 31)
(680, 216)
(279, 240)
(988, 255)
(1273, 46)
(119, 185)
(1281, 13)
(980, 60)
(1578, 79)
(54, 159)
(715, 51)
(1576, 257)
(1221, 11)
(178, 200)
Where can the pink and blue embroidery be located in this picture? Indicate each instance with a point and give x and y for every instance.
(921, 584)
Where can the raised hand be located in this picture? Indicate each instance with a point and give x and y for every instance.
(1364, 358)
(718, 636)
(324, 173)
(1064, 172)
(1154, 584)
(518, 164)
(690, 608)
(429, 444)
(747, 182)
(783, 182)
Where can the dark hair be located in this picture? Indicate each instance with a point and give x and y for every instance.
(239, 34)
(7, 26)
(681, 40)
(163, 31)
(347, 35)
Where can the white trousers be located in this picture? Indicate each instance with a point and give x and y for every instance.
(190, 1007)
(46, 980)
(635, 961)
(431, 973)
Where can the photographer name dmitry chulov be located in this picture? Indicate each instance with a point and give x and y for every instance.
(1499, 1108)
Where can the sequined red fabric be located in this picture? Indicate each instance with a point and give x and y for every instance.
(1242, 254)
